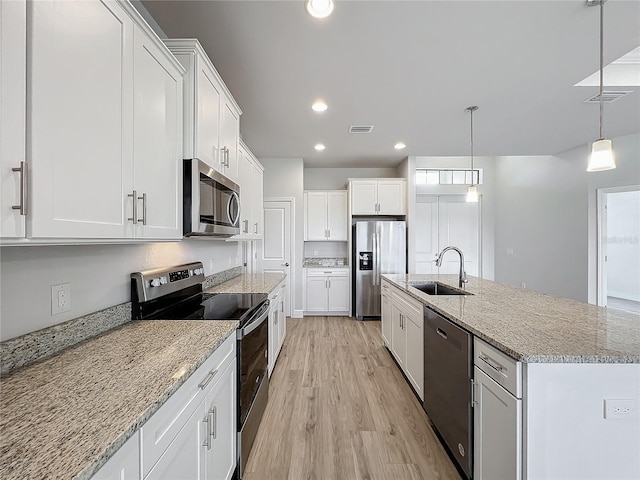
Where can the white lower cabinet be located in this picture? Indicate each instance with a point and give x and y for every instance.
(277, 323)
(497, 415)
(124, 464)
(327, 291)
(402, 332)
(193, 434)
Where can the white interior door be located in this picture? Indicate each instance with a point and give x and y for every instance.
(277, 244)
(444, 220)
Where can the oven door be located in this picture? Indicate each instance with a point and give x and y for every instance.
(253, 340)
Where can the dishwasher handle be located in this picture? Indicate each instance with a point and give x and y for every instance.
(441, 332)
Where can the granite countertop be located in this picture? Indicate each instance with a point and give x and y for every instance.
(65, 416)
(249, 283)
(533, 327)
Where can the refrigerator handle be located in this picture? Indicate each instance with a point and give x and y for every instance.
(378, 258)
(374, 259)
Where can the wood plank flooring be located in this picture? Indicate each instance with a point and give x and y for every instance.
(339, 409)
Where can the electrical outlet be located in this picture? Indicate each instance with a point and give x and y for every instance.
(619, 408)
(60, 298)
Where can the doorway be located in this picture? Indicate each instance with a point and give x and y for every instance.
(619, 248)
(278, 251)
(443, 220)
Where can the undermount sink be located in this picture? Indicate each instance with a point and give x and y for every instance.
(437, 288)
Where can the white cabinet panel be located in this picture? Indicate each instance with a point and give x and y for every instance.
(338, 294)
(391, 197)
(251, 181)
(315, 216)
(386, 314)
(124, 464)
(364, 197)
(398, 336)
(157, 141)
(13, 70)
(325, 215)
(207, 99)
(337, 225)
(258, 195)
(415, 353)
(378, 197)
(81, 119)
(317, 294)
(277, 323)
(327, 291)
(229, 136)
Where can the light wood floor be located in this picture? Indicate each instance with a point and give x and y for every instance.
(339, 409)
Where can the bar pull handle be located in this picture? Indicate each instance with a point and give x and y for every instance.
(474, 402)
(441, 332)
(22, 169)
(488, 360)
(214, 422)
(207, 442)
(134, 198)
(207, 379)
(144, 208)
(255, 227)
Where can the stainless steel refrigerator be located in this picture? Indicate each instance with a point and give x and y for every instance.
(378, 247)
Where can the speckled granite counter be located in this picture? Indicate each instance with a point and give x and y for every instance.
(253, 283)
(65, 416)
(533, 327)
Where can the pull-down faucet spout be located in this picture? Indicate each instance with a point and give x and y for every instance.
(463, 275)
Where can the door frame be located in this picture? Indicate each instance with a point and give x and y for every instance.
(601, 244)
(289, 304)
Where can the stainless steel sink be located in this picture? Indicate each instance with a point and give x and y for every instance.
(437, 288)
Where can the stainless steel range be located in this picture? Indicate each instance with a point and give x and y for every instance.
(176, 293)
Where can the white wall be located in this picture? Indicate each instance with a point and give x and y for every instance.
(98, 274)
(488, 201)
(284, 177)
(337, 178)
(546, 213)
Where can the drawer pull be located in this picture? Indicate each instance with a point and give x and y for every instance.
(496, 366)
(208, 379)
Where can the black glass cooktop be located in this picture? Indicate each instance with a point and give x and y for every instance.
(216, 306)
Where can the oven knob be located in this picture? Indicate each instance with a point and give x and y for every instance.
(192, 273)
(201, 271)
(155, 282)
(163, 280)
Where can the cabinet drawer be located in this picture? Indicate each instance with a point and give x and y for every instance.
(158, 433)
(408, 305)
(499, 366)
(327, 272)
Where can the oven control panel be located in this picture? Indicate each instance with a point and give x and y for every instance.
(162, 281)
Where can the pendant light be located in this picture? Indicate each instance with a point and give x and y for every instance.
(472, 192)
(601, 151)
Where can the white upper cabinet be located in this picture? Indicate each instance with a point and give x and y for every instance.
(13, 70)
(157, 140)
(104, 134)
(325, 215)
(211, 115)
(250, 179)
(378, 196)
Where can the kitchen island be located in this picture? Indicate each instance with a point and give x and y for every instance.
(574, 359)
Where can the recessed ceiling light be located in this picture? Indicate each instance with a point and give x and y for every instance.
(319, 8)
(319, 106)
(399, 146)
(319, 147)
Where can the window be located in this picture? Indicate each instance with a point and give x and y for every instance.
(448, 176)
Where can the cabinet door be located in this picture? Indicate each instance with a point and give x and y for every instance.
(81, 164)
(273, 335)
(414, 368)
(386, 319)
(398, 336)
(245, 180)
(13, 70)
(220, 452)
(337, 216)
(229, 136)
(391, 199)
(497, 431)
(282, 318)
(184, 457)
(315, 216)
(338, 294)
(317, 294)
(157, 141)
(364, 197)
(208, 99)
(258, 193)
(124, 464)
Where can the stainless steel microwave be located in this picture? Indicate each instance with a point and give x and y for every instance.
(211, 202)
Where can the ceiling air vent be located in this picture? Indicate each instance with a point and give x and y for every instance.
(608, 96)
(360, 128)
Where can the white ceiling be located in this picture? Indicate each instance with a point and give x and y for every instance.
(410, 68)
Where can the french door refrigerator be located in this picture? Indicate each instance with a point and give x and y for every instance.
(378, 247)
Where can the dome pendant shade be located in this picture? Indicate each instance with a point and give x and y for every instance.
(601, 156)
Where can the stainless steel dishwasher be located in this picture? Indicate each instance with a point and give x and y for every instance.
(448, 369)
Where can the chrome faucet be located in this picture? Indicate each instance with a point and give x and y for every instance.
(463, 274)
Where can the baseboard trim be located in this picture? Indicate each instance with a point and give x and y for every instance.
(297, 314)
(623, 295)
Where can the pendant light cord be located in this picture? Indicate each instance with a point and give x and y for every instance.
(601, 65)
(471, 146)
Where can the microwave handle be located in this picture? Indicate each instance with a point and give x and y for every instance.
(232, 197)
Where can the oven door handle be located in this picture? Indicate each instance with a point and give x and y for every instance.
(259, 318)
